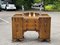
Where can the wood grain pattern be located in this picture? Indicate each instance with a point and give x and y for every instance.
(41, 24)
(45, 28)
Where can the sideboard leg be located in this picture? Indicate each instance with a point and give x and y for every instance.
(14, 40)
(21, 39)
(41, 40)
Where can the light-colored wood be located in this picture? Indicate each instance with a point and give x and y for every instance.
(39, 23)
(45, 28)
(17, 32)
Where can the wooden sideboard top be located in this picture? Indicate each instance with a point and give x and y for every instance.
(26, 15)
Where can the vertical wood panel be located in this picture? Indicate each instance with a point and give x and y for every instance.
(45, 28)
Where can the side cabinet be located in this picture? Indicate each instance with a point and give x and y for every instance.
(17, 28)
(45, 26)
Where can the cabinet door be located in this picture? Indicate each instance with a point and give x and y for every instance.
(19, 27)
(45, 28)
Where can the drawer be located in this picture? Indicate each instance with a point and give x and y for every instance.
(30, 25)
(29, 21)
(30, 28)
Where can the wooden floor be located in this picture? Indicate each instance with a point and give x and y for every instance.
(30, 37)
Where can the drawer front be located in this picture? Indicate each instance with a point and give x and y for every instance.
(17, 27)
(31, 21)
(31, 24)
(28, 20)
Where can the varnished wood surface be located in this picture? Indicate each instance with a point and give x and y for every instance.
(40, 23)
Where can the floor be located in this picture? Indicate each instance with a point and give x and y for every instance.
(30, 37)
